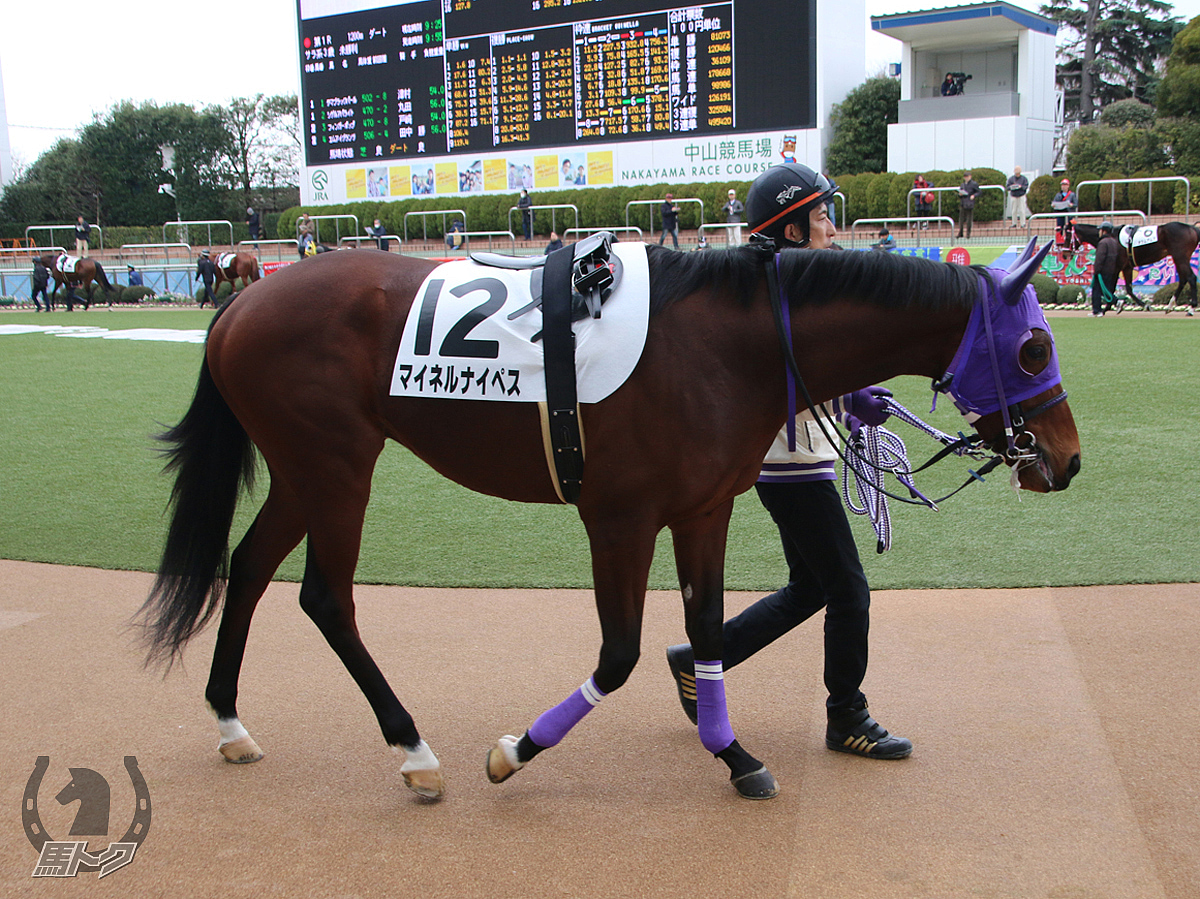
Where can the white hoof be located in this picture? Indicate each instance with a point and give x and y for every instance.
(502, 761)
(422, 772)
(236, 743)
(241, 751)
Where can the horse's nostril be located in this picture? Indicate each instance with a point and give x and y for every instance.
(1073, 466)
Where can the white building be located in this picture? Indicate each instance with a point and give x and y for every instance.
(1006, 115)
(6, 163)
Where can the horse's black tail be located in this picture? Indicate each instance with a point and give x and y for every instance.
(213, 460)
(101, 277)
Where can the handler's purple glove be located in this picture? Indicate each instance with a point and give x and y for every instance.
(868, 405)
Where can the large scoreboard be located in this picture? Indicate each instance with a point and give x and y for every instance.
(489, 91)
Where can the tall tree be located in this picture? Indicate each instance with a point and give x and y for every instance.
(859, 124)
(260, 143)
(58, 186)
(1179, 93)
(1110, 50)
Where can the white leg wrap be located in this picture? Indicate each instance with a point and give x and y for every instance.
(419, 759)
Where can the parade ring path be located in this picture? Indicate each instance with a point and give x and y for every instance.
(1055, 732)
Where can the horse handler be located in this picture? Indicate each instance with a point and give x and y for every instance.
(41, 279)
(1104, 277)
(789, 204)
(206, 271)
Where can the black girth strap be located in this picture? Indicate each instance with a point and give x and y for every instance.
(562, 404)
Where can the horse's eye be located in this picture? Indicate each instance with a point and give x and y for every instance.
(1035, 352)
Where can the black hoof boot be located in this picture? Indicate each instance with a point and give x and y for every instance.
(748, 775)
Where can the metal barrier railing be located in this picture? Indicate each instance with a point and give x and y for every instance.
(1103, 214)
(26, 253)
(145, 249)
(512, 238)
(657, 204)
(68, 228)
(337, 228)
(358, 240)
(553, 207)
(907, 219)
(424, 216)
(938, 191)
(292, 245)
(1149, 182)
(728, 228)
(183, 234)
(632, 229)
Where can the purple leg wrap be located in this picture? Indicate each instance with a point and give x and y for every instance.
(554, 724)
(715, 731)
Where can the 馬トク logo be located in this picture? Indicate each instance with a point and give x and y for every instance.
(66, 858)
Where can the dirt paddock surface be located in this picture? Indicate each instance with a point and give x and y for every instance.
(1055, 734)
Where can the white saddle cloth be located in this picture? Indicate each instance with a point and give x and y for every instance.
(1133, 236)
(66, 264)
(459, 343)
(226, 259)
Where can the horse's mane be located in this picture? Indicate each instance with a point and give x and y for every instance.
(815, 276)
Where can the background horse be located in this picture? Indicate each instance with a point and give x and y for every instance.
(86, 271)
(1175, 239)
(300, 365)
(237, 265)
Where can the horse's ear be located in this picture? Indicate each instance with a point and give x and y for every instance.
(1022, 271)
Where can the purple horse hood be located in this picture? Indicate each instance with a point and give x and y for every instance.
(986, 371)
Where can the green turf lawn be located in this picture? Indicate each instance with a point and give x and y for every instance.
(81, 482)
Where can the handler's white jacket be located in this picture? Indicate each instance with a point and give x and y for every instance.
(814, 456)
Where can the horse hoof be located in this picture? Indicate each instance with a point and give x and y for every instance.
(760, 784)
(241, 751)
(427, 784)
(502, 761)
(422, 772)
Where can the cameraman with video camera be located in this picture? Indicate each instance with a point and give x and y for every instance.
(953, 85)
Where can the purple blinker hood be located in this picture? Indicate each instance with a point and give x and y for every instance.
(985, 375)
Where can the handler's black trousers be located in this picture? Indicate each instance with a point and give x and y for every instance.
(824, 572)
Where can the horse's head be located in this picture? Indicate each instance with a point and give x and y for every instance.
(1005, 380)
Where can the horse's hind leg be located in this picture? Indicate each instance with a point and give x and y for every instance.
(274, 533)
(334, 535)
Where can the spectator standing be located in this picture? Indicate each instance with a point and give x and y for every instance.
(525, 204)
(924, 199)
(252, 222)
(555, 242)
(83, 233)
(41, 278)
(206, 272)
(1018, 208)
(377, 231)
(306, 231)
(733, 210)
(968, 193)
(1065, 201)
(454, 237)
(670, 221)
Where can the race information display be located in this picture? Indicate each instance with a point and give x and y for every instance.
(429, 78)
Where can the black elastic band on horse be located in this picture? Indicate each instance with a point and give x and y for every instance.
(558, 343)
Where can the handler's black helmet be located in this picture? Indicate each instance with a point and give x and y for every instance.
(1107, 227)
(786, 194)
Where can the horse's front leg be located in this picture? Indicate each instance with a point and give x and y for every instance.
(621, 554)
(700, 562)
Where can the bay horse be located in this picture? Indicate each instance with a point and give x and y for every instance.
(231, 266)
(1175, 239)
(86, 270)
(300, 365)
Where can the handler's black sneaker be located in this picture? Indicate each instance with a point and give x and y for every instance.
(856, 732)
(683, 669)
